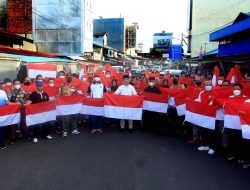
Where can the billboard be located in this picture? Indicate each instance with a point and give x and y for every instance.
(163, 40)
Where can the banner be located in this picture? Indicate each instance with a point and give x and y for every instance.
(9, 115)
(245, 125)
(123, 107)
(93, 106)
(155, 102)
(46, 70)
(68, 105)
(201, 114)
(40, 113)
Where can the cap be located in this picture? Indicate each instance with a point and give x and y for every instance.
(39, 83)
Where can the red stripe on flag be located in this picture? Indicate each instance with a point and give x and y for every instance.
(10, 109)
(123, 101)
(43, 67)
(96, 102)
(161, 98)
(40, 107)
(201, 108)
(233, 106)
(69, 100)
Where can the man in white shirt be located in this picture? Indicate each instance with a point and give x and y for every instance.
(127, 90)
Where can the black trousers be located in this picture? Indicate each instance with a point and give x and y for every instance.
(235, 143)
(208, 138)
(151, 121)
(43, 129)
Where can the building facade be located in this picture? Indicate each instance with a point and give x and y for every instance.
(115, 29)
(207, 16)
(63, 27)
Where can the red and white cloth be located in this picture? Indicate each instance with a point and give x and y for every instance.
(46, 70)
(155, 102)
(9, 115)
(69, 105)
(123, 107)
(215, 76)
(201, 114)
(40, 113)
(93, 106)
(245, 125)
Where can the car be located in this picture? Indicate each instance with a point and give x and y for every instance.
(156, 68)
(136, 70)
(173, 71)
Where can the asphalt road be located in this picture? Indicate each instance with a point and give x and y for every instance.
(116, 161)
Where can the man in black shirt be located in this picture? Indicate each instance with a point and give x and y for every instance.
(39, 96)
(150, 117)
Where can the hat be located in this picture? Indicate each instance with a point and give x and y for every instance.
(39, 83)
(151, 79)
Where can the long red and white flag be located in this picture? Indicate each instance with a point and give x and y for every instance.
(69, 105)
(40, 113)
(123, 107)
(232, 118)
(201, 114)
(83, 71)
(46, 70)
(245, 125)
(9, 115)
(155, 102)
(215, 76)
(93, 106)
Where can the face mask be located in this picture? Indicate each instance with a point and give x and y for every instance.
(208, 88)
(27, 83)
(61, 77)
(151, 84)
(84, 79)
(108, 76)
(97, 79)
(51, 84)
(18, 86)
(8, 84)
(237, 92)
(198, 83)
(220, 82)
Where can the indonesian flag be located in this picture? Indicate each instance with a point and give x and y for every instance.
(9, 115)
(215, 76)
(155, 102)
(68, 105)
(46, 70)
(51, 91)
(235, 75)
(123, 107)
(40, 113)
(83, 71)
(201, 114)
(103, 78)
(114, 74)
(231, 76)
(245, 125)
(93, 106)
(232, 108)
(29, 89)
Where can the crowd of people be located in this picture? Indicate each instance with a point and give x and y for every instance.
(227, 142)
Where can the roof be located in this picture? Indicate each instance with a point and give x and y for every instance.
(163, 34)
(213, 52)
(36, 59)
(10, 50)
(238, 27)
(11, 38)
(100, 34)
(106, 47)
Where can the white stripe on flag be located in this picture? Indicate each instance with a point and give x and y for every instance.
(33, 73)
(220, 114)
(155, 106)
(10, 119)
(92, 110)
(200, 120)
(123, 112)
(181, 109)
(232, 122)
(171, 102)
(245, 131)
(68, 109)
(40, 118)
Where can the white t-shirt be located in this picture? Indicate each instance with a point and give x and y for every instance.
(126, 90)
(97, 90)
(3, 98)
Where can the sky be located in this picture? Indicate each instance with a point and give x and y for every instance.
(153, 16)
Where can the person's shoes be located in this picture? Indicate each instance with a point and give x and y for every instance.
(230, 158)
(211, 151)
(35, 140)
(203, 148)
(241, 161)
(93, 131)
(49, 137)
(100, 130)
(3, 147)
(75, 132)
(65, 134)
(246, 165)
(131, 130)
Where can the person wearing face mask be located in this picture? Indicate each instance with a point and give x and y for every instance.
(149, 116)
(69, 89)
(39, 78)
(19, 96)
(61, 75)
(97, 90)
(221, 78)
(207, 135)
(8, 84)
(27, 81)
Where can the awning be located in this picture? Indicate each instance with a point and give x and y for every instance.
(233, 29)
